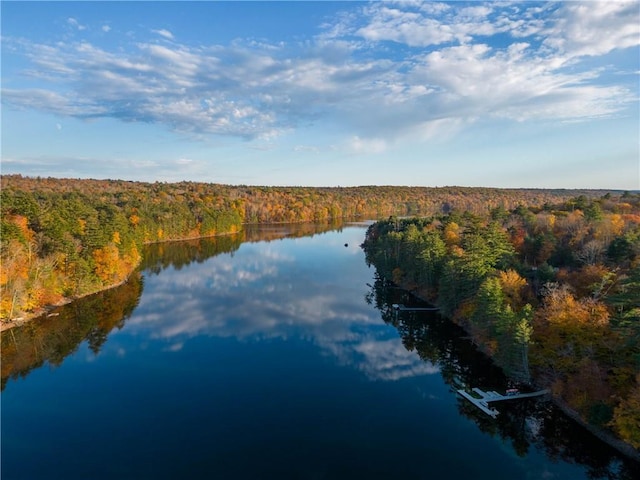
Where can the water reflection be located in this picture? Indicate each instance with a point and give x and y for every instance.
(527, 425)
(228, 300)
(50, 339)
(270, 290)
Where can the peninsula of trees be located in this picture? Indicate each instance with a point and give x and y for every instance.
(550, 292)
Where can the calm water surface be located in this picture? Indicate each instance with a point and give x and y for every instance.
(268, 359)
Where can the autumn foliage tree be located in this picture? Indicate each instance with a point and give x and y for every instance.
(551, 291)
(63, 238)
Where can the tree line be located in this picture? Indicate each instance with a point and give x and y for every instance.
(551, 293)
(65, 238)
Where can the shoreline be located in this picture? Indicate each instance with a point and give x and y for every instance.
(614, 442)
(9, 324)
(619, 445)
(6, 325)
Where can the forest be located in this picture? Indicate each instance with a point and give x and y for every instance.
(66, 238)
(550, 292)
(545, 282)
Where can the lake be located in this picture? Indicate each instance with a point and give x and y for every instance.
(274, 353)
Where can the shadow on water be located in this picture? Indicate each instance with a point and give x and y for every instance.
(525, 424)
(47, 340)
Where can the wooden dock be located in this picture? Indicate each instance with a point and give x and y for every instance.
(486, 397)
(414, 309)
(481, 403)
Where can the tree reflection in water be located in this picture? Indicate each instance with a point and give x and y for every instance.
(52, 337)
(526, 424)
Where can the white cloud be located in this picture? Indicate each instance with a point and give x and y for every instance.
(361, 146)
(447, 72)
(404, 27)
(106, 28)
(424, 24)
(185, 62)
(595, 27)
(306, 149)
(52, 102)
(164, 33)
(75, 24)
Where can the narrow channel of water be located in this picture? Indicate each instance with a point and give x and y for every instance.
(271, 354)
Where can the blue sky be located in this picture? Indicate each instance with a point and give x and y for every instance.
(521, 94)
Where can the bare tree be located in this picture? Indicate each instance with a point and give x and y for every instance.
(591, 252)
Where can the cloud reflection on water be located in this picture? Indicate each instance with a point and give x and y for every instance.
(280, 291)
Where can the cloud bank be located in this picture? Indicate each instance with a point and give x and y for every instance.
(383, 71)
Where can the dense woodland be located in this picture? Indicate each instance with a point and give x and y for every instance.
(550, 292)
(64, 238)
